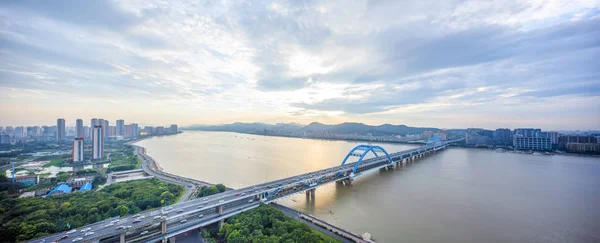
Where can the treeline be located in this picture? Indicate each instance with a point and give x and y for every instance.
(27, 218)
(205, 191)
(121, 168)
(267, 224)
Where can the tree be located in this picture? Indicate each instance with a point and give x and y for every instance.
(123, 210)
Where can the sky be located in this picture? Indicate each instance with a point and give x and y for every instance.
(435, 63)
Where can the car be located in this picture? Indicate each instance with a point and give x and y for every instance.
(88, 233)
(269, 186)
(108, 225)
(243, 193)
(201, 215)
(137, 221)
(157, 217)
(221, 201)
(169, 208)
(204, 199)
(237, 194)
(71, 231)
(144, 232)
(137, 215)
(180, 211)
(200, 206)
(120, 227)
(183, 221)
(62, 238)
(77, 239)
(114, 221)
(250, 200)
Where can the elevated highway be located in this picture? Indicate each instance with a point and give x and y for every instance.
(164, 224)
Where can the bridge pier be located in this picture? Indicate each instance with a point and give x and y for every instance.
(311, 193)
(221, 222)
(172, 240)
(122, 238)
(163, 226)
(220, 210)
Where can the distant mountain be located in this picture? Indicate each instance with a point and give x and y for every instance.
(343, 128)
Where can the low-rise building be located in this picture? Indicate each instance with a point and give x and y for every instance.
(60, 190)
(28, 180)
(79, 181)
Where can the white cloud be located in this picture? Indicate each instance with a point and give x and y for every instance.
(363, 61)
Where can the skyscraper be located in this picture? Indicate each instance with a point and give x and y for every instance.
(120, 127)
(79, 132)
(105, 125)
(97, 142)
(94, 122)
(60, 129)
(78, 149)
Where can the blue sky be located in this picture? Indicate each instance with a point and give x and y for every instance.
(449, 64)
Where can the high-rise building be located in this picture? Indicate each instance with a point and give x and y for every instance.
(77, 149)
(94, 122)
(160, 130)
(10, 131)
(532, 143)
(479, 136)
(33, 131)
(4, 138)
(527, 132)
(60, 129)
(503, 137)
(111, 131)
(173, 129)
(20, 132)
(135, 130)
(97, 142)
(120, 126)
(79, 131)
(554, 139)
(105, 126)
(563, 141)
(49, 132)
(86, 132)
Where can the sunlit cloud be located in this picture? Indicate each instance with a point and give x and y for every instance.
(451, 63)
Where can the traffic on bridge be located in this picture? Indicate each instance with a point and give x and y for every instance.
(164, 224)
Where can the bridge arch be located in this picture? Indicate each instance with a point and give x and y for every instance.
(365, 150)
(434, 141)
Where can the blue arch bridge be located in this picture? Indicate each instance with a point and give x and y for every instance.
(164, 224)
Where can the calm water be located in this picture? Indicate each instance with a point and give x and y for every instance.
(459, 195)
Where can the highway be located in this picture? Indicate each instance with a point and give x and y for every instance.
(188, 215)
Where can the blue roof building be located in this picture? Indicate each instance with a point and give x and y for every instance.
(86, 187)
(60, 189)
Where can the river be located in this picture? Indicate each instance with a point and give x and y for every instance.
(458, 195)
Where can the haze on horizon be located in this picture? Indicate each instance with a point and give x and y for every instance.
(448, 64)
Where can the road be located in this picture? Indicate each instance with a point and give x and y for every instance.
(149, 166)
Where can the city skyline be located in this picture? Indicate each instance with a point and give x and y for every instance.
(521, 64)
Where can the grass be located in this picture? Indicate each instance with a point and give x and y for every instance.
(325, 236)
(54, 162)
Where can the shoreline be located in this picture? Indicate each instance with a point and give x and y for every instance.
(392, 142)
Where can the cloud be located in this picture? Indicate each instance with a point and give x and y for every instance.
(359, 60)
